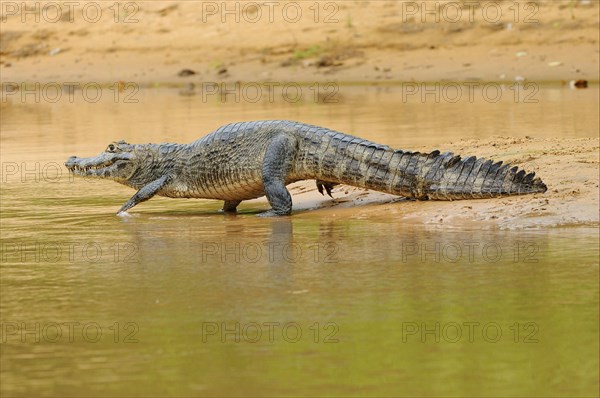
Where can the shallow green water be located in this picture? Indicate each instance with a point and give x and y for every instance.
(180, 300)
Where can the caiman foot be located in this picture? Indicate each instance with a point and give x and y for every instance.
(271, 213)
(327, 185)
(230, 206)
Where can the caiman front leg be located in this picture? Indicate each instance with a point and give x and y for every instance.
(276, 166)
(145, 193)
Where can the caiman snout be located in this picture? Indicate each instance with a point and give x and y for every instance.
(71, 161)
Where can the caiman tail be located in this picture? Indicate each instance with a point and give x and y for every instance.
(448, 177)
(435, 175)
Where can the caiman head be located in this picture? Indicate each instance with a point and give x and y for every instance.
(121, 162)
(146, 167)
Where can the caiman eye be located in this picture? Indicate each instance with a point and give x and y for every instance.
(111, 148)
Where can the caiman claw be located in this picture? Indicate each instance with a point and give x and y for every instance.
(327, 185)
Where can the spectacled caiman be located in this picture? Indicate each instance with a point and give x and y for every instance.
(246, 160)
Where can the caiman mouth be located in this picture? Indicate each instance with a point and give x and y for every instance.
(102, 166)
(83, 169)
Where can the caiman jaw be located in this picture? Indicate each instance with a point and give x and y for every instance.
(100, 166)
(83, 169)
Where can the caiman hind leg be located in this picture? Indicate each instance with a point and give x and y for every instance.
(276, 166)
(230, 206)
(328, 186)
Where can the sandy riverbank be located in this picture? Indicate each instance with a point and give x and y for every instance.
(152, 42)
